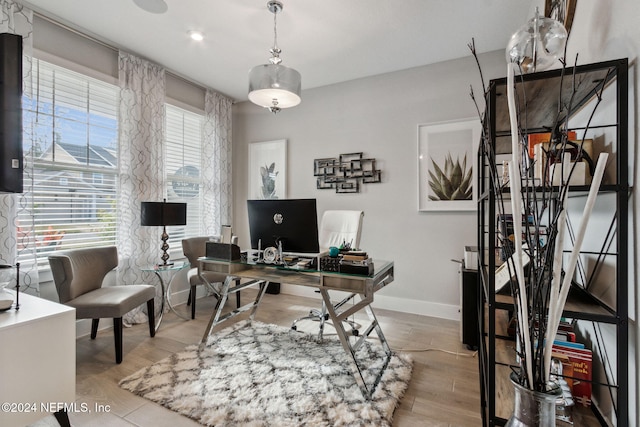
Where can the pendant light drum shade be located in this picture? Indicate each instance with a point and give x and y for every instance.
(274, 86)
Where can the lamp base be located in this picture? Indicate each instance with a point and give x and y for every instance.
(162, 265)
(164, 247)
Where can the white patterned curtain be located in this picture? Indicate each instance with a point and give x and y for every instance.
(17, 19)
(216, 162)
(141, 169)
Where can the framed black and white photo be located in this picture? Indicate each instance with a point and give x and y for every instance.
(268, 170)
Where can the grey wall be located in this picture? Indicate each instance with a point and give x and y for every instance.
(604, 30)
(378, 116)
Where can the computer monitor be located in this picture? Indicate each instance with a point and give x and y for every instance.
(294, 222)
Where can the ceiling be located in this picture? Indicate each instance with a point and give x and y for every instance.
(327, 41)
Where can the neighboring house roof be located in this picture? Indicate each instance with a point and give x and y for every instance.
(70, 153)
(108, 155)
(98, 156)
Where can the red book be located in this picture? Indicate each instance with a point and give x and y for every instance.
(576, 363)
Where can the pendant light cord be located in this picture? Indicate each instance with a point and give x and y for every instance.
(275, 31)
(275, 50)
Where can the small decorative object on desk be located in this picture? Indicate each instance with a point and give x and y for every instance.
(329, 263)
(226, 251)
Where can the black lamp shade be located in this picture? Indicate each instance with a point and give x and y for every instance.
(163, 213)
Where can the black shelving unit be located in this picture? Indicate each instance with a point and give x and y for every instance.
(542, 94)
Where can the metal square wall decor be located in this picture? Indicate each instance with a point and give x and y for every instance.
(346, 173)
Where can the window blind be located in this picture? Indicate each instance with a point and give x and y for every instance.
(183, 170)
(71, 160)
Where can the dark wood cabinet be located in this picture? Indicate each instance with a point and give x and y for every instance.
(470, 296)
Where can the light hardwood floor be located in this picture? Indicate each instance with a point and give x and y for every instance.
(444, 388)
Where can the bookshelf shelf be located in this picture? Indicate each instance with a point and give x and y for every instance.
(598, 300)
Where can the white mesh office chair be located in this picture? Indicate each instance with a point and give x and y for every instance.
(337, 228)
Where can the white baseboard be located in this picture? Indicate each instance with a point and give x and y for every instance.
(403, 305)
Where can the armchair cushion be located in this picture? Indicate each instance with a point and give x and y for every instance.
(111, 301)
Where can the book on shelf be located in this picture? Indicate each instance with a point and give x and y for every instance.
(568, 336)
(547, 163)
(568, 344)
(577, 365)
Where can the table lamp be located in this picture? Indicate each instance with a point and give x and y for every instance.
(163, 214)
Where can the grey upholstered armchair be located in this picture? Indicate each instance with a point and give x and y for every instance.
(78, 275)
(194, 248)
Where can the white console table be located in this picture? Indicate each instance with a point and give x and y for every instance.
(37, 359)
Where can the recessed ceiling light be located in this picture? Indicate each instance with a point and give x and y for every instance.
(196, 35)
(152, 6)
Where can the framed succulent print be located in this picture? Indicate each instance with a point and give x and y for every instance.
(268, 169)
(447, 157)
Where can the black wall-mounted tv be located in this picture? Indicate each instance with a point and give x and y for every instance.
(294, 222)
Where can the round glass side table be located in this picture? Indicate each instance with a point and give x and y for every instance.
(167, 272)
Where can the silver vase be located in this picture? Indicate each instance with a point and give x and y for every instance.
(533, 408)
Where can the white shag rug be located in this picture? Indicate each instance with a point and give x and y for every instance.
(268, 375)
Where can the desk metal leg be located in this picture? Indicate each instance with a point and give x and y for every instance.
(217, 318)
(357, 366)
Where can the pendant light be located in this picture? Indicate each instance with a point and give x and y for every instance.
(273, 85)
(538, 44)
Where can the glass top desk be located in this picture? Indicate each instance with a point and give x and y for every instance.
(327, 283)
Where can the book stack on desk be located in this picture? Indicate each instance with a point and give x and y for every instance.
(356, 262)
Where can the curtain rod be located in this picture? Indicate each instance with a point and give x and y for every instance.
(116, 49)
(75, 31)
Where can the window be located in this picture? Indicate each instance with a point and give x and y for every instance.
(183, 169)
(71, 158)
